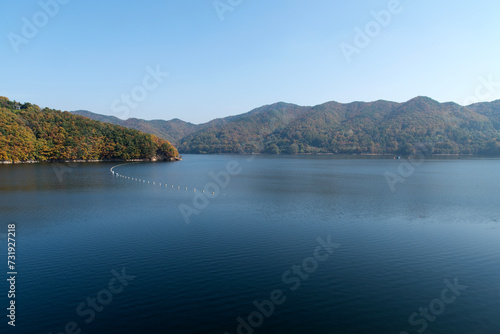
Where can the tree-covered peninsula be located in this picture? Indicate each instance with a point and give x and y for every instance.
(29, 133)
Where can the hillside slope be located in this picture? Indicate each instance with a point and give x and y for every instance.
(490, 110)
(243, 133)
(173, 130)
(28, 133)
(379, 127)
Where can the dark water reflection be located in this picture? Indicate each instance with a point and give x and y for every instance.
(397, 248)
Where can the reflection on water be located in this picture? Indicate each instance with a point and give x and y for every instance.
(397, 248)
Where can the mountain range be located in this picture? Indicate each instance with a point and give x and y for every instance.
(379, 127)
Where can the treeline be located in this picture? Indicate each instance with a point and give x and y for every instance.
(29, 133)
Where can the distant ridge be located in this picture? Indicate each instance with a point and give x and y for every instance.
(172, 130)
(378, 127)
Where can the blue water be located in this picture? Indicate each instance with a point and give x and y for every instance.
(395, 249)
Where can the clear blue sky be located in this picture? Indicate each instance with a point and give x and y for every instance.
(91, 52)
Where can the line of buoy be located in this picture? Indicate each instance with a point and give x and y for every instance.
(149, 182)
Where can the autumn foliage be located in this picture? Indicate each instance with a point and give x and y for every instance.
(28, 133)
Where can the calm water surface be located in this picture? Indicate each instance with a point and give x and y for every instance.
(397, 252)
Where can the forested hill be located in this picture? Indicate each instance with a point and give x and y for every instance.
(380, 127)
(28, 133)
(262, 121)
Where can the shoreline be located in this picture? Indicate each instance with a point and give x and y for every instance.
(172, 159)
(353, 154)
(154, 159)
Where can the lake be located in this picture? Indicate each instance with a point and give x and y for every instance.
(256, 244)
